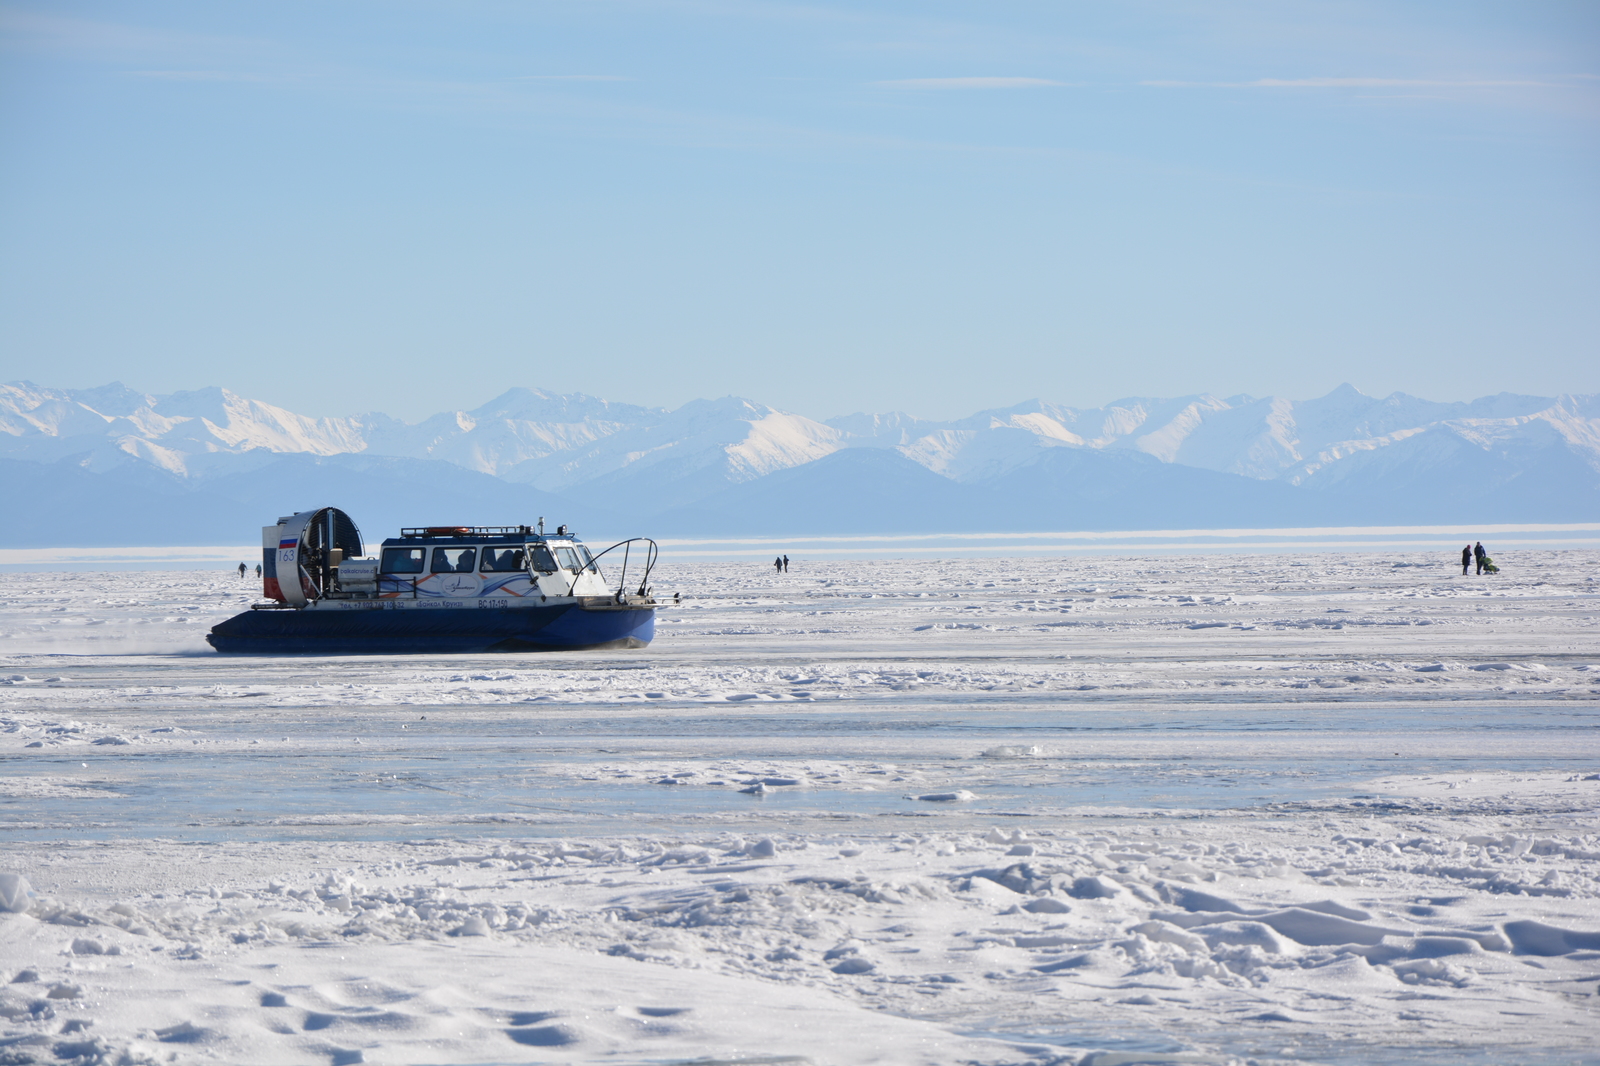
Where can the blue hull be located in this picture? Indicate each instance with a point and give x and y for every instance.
(564, 627)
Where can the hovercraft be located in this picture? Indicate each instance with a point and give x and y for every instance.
(438, 589)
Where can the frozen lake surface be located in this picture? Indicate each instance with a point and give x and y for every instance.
(1289, 808)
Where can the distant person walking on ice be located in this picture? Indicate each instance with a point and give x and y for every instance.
(777, 564)
(258, 570)
(1466, 559)
(242, 569)
(786, 564)
(1481, 555)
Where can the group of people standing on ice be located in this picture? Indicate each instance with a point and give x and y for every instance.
(1475, 552)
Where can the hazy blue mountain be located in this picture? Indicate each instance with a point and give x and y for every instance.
(1452, 472)
(132, 505)
(99, 456)
(62, 504)
(859, 490)
(874, 490)
(1113, 489)
(386, 493)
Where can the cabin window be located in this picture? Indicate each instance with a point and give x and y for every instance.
(540, 559)
(453, 560)
(588, 560)
(503, 560)
(402, 561)
(569, 559)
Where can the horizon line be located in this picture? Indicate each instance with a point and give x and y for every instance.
(1190, 539)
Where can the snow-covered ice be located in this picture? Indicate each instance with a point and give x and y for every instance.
(1287, 808)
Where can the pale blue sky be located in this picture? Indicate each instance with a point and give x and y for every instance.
(935, 207)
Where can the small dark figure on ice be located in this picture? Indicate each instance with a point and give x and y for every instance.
(1481, 555)
(1466, 559)
(777, 564)
(786, 564)
(241, 571)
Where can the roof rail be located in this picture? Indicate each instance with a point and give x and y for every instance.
(467, 531)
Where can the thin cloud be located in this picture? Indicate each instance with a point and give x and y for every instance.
(50, 33)
(572, 77)
(970, 83)
(197, 75)
(1350, 83)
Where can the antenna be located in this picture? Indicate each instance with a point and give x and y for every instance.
(541, 525)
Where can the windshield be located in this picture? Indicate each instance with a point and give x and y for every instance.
(540, 559)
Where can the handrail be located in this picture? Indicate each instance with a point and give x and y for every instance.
(649, 564)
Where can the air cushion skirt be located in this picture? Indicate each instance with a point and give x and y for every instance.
(377, 630)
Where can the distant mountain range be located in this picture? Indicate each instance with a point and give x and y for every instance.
(113, 466)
